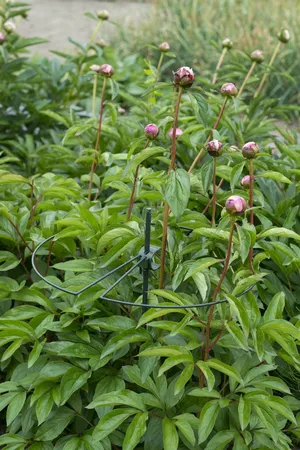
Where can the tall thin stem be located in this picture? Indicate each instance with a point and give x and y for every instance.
(218, 288)
(132, 196)
(251, 188)
(166, 206)
(220, 62)
(159, 66)
(200, 154)
(246, 79)
(94, 94)
(263, 80)
(94, 34)
(95, 161)
(214, 198)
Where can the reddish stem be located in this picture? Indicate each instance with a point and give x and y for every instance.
(95, 161)
(251, 187)
(214, 197)
(20, 235)
(49, 258)
(217, 289)
(210, 135)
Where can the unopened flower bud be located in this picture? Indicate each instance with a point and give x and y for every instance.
(164, 47)
(250, 150)
(106, 70)
(178, 133)
(235, 205)
(284, 36)
(95, 68)
(121, 110)
(9, 27)
(245, 181)
(227, 43)
(103, 15)
(257, 56)
(102, 43)
(151, 131)
(2, 37)
(233, 149)
(229, 90)
(184, 77)
(214, 148)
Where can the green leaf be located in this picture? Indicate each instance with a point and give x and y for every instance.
(177, 191)
(208, 417)
(244, 411)
(282, 407)
(174, 361)
(11, 439)
(8, 178)
(35, 352)
(141, 157)
(183, 378)
(282, 326)
(55, 425)
(56, 117)
(220, 440)
(200, 265)
(163, 351)
(122, 397)
(237, 334)
(114, 88)
(204, 392)
(8, 261)
(125, 338)
(44, 406)
(209, 376)
(225, 368)
(71, 382)
(170, 435)
(11, 349)
(15, 407)
(186, 429)
(236, 174)
(245, 242)
(278, 232)
(277, 176)
(275, 307)
(77, 265)
(135, 431)
(111, 421)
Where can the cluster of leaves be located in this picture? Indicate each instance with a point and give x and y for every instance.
(78, 373)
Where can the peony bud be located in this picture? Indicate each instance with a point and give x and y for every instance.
(245, 181)
(284, 36)
(164, 47)
(233, 149)
(227, 43)
(229, 90)
(214, 148)
(103, 15)
(102, 43)
(250, 150)
(235, 205)
(257, 56)
(177, 133)
(95, 68)
(9, 27)
(2, 37)
(151, 131)
(184, 77)
(121, 110)
(106, 70)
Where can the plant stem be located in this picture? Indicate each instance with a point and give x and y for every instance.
(94, 163)
(199, 156)
(159, 66)
(246, 79)
(214, 197)
(166, 206)
(220, 62)
(251, 187)
(94, 94)
(275, 53)
(217, 289)
(132, 197)
(94, 34)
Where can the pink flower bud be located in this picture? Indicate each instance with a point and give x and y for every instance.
(227, 43)
(102, 43)
(257, 56)
(184, 77)
(177, 133)
(9, 27)
(121, 110)
(2, 37)
(284, 36)
(106, 70)
(229, 90)
(250, 150)
(245, 181)
(95, 68)
(151, 131)
(214, 148)
(103, 15)
(235, 205)
(164, 47)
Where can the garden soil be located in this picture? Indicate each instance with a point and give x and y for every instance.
(56, 20)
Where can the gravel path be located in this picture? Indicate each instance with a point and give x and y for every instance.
(56, 20)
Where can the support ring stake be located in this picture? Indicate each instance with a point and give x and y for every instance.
(145, 262)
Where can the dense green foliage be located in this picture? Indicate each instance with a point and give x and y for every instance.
(78, 373)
